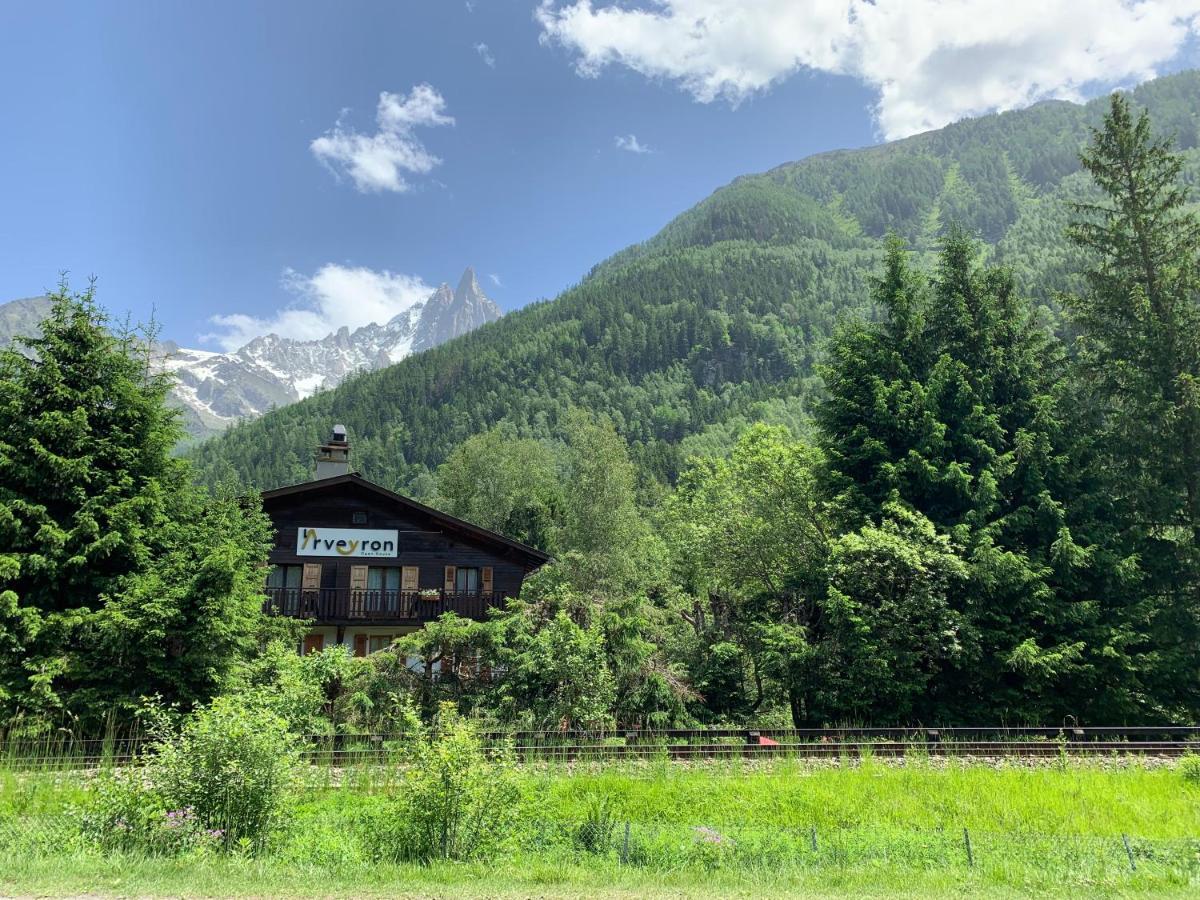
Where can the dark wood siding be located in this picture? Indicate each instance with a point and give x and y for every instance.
(422, 542)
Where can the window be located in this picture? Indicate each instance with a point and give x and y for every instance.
(383, 578)
(285, 577)
(359, 517)
(466, 581)
(313, 643)
(377, 642)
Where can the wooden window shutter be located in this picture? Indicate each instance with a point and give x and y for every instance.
(360, 645)
(311, 580)
(314, 643)
(410, 579)
(448, 581)
(358, 578)
(485, 579)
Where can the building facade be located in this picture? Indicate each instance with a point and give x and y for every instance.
(366, 565)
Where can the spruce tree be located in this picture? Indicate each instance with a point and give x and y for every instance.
(95, 511)
(1138, 373)
(947, 407)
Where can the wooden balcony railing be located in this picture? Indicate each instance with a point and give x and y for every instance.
(342, 605)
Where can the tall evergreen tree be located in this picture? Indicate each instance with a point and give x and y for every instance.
(95, 512)
(1138, 367)
(947, 407)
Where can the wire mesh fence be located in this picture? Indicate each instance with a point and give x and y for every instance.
(68, 751)
(1076, 858)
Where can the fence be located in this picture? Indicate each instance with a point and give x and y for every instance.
(1017, 856)
(65, 750)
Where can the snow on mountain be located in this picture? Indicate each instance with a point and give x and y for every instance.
(214, 390)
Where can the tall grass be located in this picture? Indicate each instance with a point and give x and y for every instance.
(727, 827)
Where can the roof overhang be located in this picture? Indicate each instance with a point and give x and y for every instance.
(530, 556)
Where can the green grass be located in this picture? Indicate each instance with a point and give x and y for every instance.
(881, 829)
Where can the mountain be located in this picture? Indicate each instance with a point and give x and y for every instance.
(215, 390)
(719, 318)
(22, 317)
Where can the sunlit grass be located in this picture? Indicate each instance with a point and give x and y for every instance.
(829, 828)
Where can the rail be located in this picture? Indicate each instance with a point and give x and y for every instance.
(717, 743)
(345, 605)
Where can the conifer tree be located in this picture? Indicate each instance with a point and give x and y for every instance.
(95, 512)
(1138, 372)
(947, 407)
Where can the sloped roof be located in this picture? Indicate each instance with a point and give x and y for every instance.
(531, 555)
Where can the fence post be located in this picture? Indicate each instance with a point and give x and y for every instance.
(625, 847)
(1129, 852)
(967, 844)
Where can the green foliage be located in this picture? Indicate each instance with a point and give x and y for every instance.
(891, 617)
(220, 779)
(505, 483)
(122, 813)
(456, 801)
(1189, 768)
(117, 577)
(594, 834)
(1138, 398)
(556, 674)
(232, 765)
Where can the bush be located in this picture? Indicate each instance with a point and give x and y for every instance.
(1189, 768)
(233, 765)
(455, 801)
(220, 780)
(124, 812)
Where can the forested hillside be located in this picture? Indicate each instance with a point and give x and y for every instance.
(718, 319)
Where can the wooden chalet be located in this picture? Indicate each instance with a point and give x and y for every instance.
(367, 565)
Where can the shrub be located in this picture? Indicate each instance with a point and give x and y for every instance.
(233, 765)
(221, 779)
(456, 800)
(124, 812)
(1189, 768)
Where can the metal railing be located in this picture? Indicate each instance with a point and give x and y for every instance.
(1159, 741)
(342, 604)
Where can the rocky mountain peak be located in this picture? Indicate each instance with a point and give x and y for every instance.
(217, 389)
(448, 314)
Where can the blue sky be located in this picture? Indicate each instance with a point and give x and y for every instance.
(199, 158)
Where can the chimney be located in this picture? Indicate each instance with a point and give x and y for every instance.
(333, 457)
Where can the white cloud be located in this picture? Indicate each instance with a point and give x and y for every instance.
(496, 280)
(485, 54)
(334, 296)
(630, 142)
(931, 61)
(379, 162)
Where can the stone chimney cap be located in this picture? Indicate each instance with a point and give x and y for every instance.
(339, 434)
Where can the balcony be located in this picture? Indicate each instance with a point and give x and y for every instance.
(340, 605)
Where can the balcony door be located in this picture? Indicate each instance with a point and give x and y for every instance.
(375, 590)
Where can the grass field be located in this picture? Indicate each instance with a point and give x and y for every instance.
(859, 828)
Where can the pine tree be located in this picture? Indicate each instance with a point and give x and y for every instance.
(947, 407)
(1138, 368)
(101, 531)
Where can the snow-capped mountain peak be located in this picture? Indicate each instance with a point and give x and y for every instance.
(216, 389)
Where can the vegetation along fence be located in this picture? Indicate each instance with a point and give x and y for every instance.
(65, 750)
(776, 849)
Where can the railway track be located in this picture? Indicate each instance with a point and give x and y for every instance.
(697, 744)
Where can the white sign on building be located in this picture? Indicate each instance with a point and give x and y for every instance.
(346, 542)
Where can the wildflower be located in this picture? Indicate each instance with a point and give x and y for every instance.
(708, 835)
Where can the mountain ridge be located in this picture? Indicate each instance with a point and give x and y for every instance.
(214, 390)
(719, 318)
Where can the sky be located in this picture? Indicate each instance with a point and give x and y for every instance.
(233, 168)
